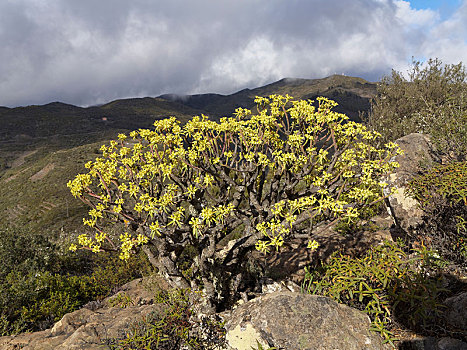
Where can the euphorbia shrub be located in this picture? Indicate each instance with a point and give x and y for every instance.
(206, 193)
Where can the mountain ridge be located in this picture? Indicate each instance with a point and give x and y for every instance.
(347, 91)
(354, 84)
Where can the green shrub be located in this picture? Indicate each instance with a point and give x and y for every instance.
(25, 251)
(121, 300)
(173, 328)
(384, 283)
(442, 193)
(276, 174)
(443, 182)
(38, 284)
(433, 100)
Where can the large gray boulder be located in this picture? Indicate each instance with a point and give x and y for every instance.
(432, 343)
(289, 320)
(419, 152)
(456, 312)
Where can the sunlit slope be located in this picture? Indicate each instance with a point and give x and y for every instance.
(34, 193)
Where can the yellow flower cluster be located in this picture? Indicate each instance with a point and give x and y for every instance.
(210, 216)
(275, 231)
(128, 242)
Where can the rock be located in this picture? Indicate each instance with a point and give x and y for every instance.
(268, 285)
(456, 312)
(283, 318)
(451, 344)
(418, 151)
(432, 343)
(91, 327)
(290, 320)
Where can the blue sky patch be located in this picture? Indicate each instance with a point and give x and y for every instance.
(445, 7)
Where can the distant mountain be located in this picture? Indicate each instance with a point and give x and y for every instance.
(58, 118)
(57, 125)
(352, 94)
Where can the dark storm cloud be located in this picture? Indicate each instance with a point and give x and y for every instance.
(85, 52)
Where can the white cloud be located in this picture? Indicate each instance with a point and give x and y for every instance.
(85, 52)
(413, 17)
(241, 67)
(449, 38)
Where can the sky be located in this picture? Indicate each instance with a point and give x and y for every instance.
(87, 52)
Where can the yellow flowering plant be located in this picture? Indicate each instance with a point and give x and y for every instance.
(274, 174)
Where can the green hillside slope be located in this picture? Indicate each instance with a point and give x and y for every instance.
(34, 193)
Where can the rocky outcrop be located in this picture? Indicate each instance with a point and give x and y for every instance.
(432, 343)
(456, 312)
(290, 320)
(91, 327)
(418, 152)
(281, 317)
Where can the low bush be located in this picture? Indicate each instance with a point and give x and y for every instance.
(431, 100)
(385, 283)
(38, 284)
(442, 193)
(447, 182)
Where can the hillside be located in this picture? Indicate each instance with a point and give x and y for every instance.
(61, 119)
(56, 125)
(34, 192)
